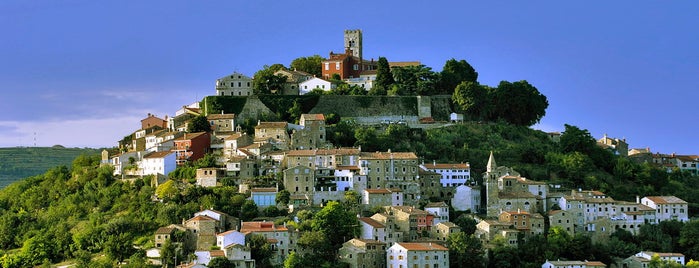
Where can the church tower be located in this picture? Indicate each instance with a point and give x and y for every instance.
(353, 41)
(490, 178)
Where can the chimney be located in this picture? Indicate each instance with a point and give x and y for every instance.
(638, 199)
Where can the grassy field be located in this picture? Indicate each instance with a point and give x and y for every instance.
(20, 162)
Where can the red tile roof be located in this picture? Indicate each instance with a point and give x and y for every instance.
(313, 117)
(261, 226)
(388, 155)
(272, 125)
(422, 246)
(158, 154)
(264, 190)
(217, 253)
(202, 218)
(372, 222)
(448, 166)
(220, 116)
(666, 199)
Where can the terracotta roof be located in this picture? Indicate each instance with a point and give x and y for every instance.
(663, 254)
(261, 226)
(448, 224)
(164, 230)
(372, 222)
(410, 210)
(380, 191)
(158, 154)
(202, 218)
(233, 136)
(272, 241)
(216, 253)
(448, 166)
(422, 246)
(191, 136)
(220, 116)
(347, 168)
(264, 190)
(554, 212)
(595, 263)
(516, 212)
(666, 199)
(272, 125)
(340, 151)
(524, 180)
(313, 117)
(388, 155)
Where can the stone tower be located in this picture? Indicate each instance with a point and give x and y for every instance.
(353, 41)
(490, 179)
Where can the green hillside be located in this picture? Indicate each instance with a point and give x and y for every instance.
(21, 162)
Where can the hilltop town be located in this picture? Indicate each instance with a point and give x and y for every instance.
(404, 204)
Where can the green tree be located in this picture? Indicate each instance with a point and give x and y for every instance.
(336, 219)
(167, 189)
(283, 197)
(472, 98)
(467, 223)
(248, 211)
(199, 124)
(574, 139)
(384, 79)
(317, 243)
(259, 249)
(294, 260)
(689, 239)
(118, 246)
(311, 65)
(455, 72)
(414, 80)
(465, 250)
(518, 103)
(220, 262)
(266, 82)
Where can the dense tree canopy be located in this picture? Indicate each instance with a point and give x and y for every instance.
(199, 124)
(311, 65)
(384, 79)
(518, 103)
(454, 73)
(266, 82)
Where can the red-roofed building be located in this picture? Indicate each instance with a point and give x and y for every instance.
(452, 174)
(403, 254)
(191, 147)
(667, 208)
(152, 121)
(277, 236)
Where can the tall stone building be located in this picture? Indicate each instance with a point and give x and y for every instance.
(353, 42)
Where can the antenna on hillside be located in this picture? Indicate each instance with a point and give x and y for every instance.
(34, 138)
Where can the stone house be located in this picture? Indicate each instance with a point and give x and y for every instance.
(275, 132)
(210, 177)
(363, 253)
(311, 135)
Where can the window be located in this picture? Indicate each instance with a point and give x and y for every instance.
(337, 66)
(327, 66)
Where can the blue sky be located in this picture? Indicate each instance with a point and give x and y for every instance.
(82, 74)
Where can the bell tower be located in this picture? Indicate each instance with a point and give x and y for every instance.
(353, 41)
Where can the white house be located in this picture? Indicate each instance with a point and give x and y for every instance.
(455, 118)
(313, 83)
(404, 254)
(452, 174)
(440, 210)
(467, 197)
(159, 163)
(372, 229)
(667, 208)
(230, 237)
(235, 84)
(675, 257)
